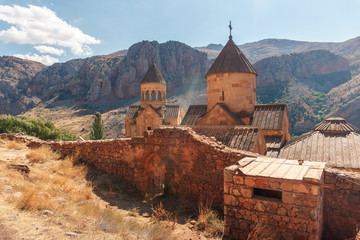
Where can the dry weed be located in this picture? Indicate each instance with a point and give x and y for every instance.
(34, 200)
(262, 231)
(209, 220)
(42, 154)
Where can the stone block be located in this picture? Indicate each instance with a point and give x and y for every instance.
(301, 188)
(281, 211)
(229, 200)
(262, 183)
(259, 207)
(238, 180)
(247, 193)
(286, 186)
(250, 182)
(274, 185)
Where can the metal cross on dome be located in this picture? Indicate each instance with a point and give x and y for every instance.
(230, 27)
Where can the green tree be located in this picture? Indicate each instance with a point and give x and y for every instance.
(97, 129)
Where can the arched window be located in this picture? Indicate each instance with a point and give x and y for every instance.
(159, 96)
(153, 96)
(147, 96)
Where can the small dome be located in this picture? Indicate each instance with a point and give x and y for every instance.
(335, 125)
(153, 75)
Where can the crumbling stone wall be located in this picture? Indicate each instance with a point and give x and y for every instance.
(298, 215)
(186, 163)
(342, 204)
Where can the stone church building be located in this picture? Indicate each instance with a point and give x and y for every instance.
(153, 110)
(231, 114)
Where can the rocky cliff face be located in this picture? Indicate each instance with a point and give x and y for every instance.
(88, 80)
(178, 63)
(80, 79)
(302, 80)
(15, 75)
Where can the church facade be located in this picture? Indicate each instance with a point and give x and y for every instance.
(153, 110)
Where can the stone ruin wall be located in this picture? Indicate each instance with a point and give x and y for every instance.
(190, 165)
(194, 167)
(342, 204)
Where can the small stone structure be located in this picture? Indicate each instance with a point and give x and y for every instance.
(283, 194)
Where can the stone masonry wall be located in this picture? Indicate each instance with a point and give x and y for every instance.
(342, 205)
(188, 164)
(297, 216)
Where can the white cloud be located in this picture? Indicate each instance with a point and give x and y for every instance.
(40, 25)
(51, 50)
(45, 59)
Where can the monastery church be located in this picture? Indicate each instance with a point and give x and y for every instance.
(231, 114)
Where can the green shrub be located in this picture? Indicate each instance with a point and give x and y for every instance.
(41, 128)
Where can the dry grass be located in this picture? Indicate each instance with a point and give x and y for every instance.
(42, 154)
(262, 231)
(60, 186)
(13, 145)
(208, 220)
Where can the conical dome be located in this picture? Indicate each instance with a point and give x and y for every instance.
(153, 75)
(231, 59)
(335, 125)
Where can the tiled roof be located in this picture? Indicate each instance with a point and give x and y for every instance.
(194, 114)
(269, 116)
(335, 149)
(335, 124)
(153, 75)
(231, 59)
(273, 142)
(281, 169)
(242, 138)
(132, 112)
(170, 111)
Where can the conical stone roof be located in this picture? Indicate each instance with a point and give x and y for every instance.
(335, 125)
(153, 75)
(231, 59)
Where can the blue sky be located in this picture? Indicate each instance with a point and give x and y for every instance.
(51, 31)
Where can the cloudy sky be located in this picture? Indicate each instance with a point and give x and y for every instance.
(52, 31)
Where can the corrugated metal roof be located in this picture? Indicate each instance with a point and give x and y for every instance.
(242, 138)
(335, 124)
(153, 75)
(273, 142)
(194, 114)
(231, 59)
(132, 112)
(171, 111)
(335, 149)
(281, 169)
(269, 116)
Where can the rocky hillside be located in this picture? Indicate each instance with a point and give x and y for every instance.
(178, 63)
(111, 77)
(302, 80)
(15, 76)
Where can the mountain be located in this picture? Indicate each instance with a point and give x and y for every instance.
(15, 75)
(314, 83)
(302, 80)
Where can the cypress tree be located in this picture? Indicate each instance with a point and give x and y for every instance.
(97, 129)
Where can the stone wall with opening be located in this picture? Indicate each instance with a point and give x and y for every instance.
(282, 195)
